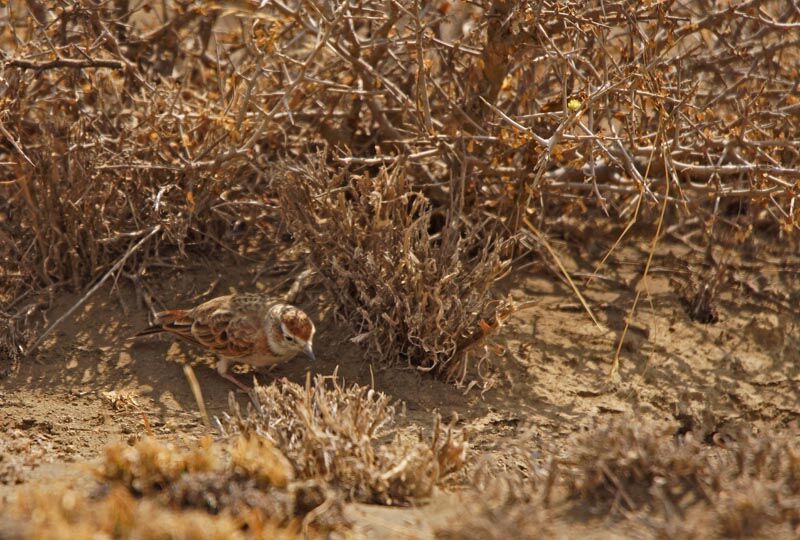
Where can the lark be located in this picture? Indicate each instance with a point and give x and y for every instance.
(251, 328)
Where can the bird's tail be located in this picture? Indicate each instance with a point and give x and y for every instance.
(155, 329)
(164, 321)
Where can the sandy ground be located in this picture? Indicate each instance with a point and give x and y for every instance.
(90, 385)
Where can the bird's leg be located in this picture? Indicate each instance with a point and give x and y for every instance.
(222, 368)
(246, 389)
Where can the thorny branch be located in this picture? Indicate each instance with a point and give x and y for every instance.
(544, 111)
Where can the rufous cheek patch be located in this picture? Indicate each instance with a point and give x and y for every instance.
(298, 324)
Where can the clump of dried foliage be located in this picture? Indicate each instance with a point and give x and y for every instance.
(410, 290)
(641, 471)
(130, 131)
(291, 460)
(347, 437)
(65, 513)
(665, 484)
(635, 463)
(151, 465)
(760, 484)
(504, 503)
(245, 476)
(748, 485)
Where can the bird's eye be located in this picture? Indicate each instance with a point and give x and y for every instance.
(288, 337)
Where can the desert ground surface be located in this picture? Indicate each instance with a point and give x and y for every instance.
(551, 249)
(90, 384)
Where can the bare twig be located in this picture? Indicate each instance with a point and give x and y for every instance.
(71, 63)
(91, 291)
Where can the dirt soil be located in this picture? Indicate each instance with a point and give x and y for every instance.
(90, 384)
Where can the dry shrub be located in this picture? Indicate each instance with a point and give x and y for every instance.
(759, 485)
(635, 463)
(632, 464)
(125, 123)
(256, 457)
(245, 477)
(66, 514)
(150, 465)
(105, 172)
(410, 289)
(506, 503)
(346, 437)
(126, 149)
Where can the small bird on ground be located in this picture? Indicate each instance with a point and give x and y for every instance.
(250, 328)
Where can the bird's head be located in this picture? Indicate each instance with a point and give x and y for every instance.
(297, 331)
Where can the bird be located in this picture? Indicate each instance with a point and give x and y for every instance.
(247, 328)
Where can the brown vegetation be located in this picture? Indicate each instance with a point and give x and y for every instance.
(292, 459)
(133, 131)
(410, 291)
(646, 473)
(747, 484)
(411, 154)
(63, 513)
(346, 437)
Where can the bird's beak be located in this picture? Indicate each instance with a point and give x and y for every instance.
(309, 352)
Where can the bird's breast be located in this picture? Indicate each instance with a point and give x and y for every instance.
(264, 359)
(264, 355)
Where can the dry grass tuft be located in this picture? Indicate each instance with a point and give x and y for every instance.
(744, 508)
(413, 284)
(759, 485)
(256, 457)
(66, 514)
(498, 505)
(244, 477)
(299, 454)
(345, 436)
(633, 464)
(150, 465)
(639, 472)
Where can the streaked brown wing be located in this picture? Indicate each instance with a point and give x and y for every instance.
(224, 325)
(227, 333)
